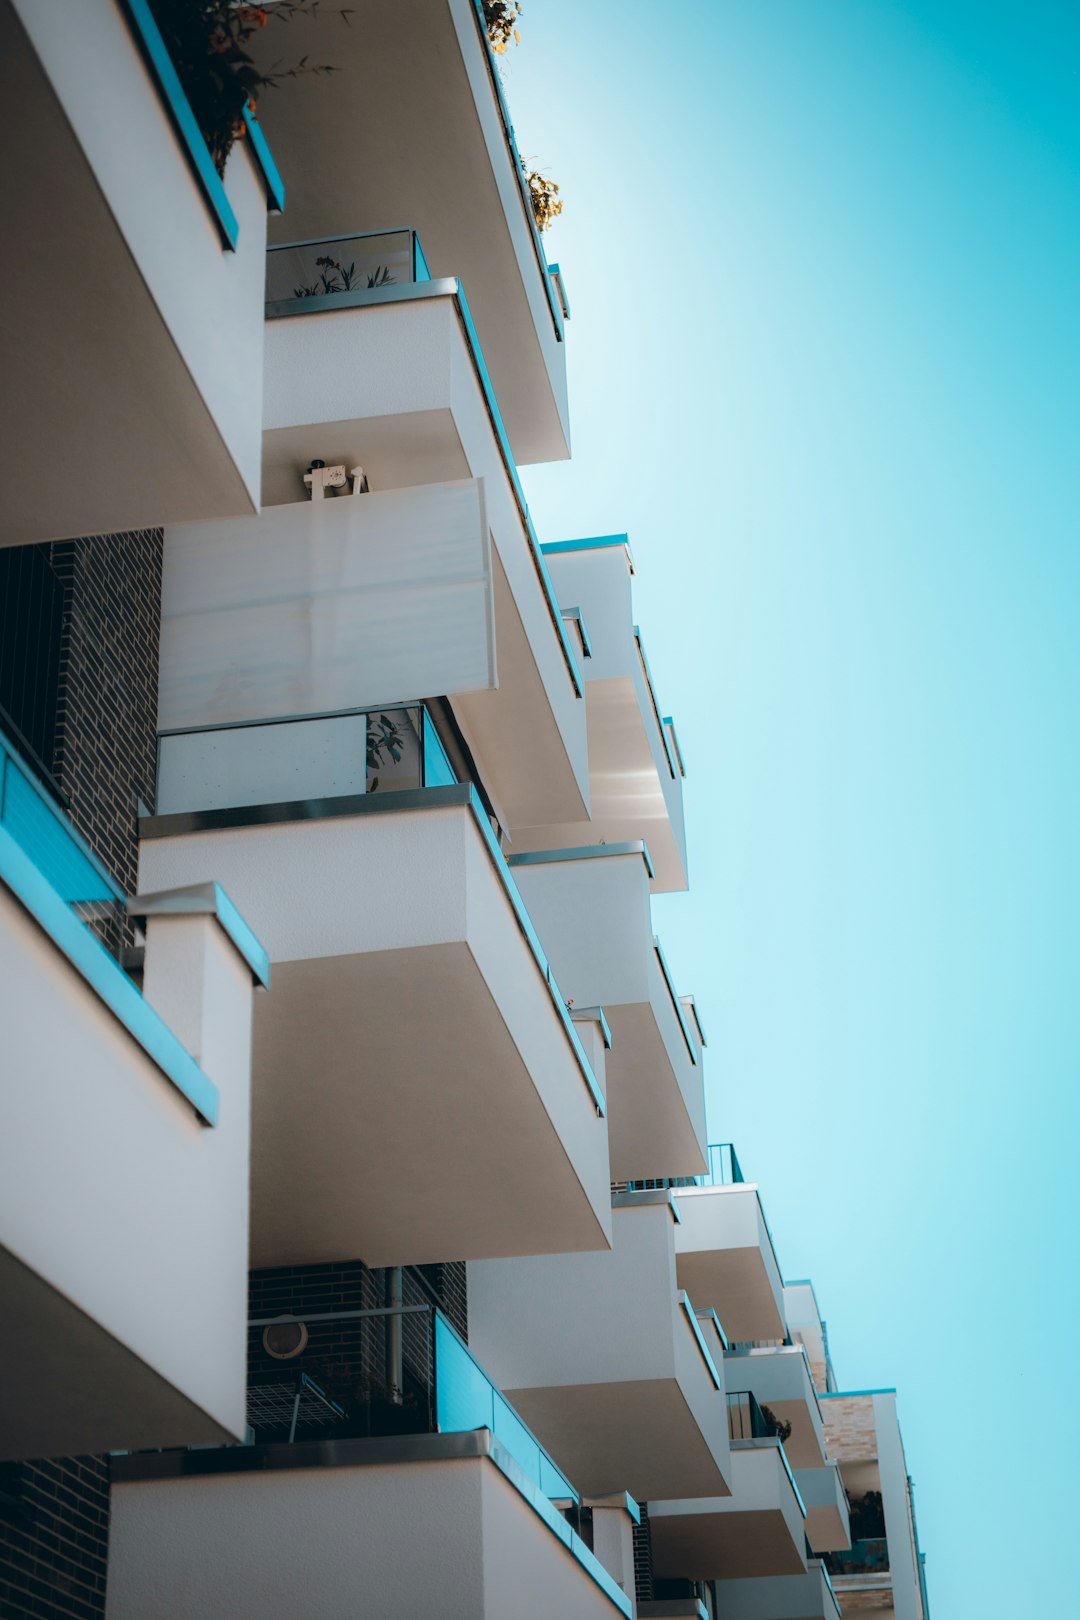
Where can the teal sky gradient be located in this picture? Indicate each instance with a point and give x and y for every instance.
(823, 258)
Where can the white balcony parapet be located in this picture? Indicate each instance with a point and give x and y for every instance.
(591, 909)
(635, 765)
(431, 103)
(779, 1377)
(393, 379)
(128, 1099)
(822, 1490)
(607, 1359)
(419, 1085)
(146, 283)
(444, 1524)
(727, 1260)
(780, 1597)
(756, 1530)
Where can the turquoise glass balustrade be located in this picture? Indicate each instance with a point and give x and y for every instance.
(466, 1399)
(46, 836)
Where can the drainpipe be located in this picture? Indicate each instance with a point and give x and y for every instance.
(395, 1377)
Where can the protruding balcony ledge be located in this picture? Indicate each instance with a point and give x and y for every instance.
(781, 1597)
(329, 1157)
(726, 1259)
(449, 288)
(757, 1530)
(781, 1379)
(591, 908)
(635, 767)
(50, 869)
(363, 1460)
(608, 1361)
(427, 97)
(822, 1490)
(104, 1097)
(133, 297)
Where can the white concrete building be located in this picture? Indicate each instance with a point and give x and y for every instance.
(359, 1218)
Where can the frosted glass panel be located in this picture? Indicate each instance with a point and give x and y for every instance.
(322, 606)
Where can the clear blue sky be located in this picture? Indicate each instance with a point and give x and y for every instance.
(824, 263)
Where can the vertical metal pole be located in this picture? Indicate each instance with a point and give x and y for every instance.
(395, 1372)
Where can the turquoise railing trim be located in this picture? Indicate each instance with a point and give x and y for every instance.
(47, 836)
(467, 1399)
(665, 740)
(670, 724)
(706, 1355)
(532, 938)
(680, 1011)
(275, 185)
(202, 899)
(555, 1522)
(519, 169)
(106, 978)
(184, 120)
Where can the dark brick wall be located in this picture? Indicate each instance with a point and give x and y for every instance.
(93, 709)
(106, 735)
(347, 1358)
(54, 1519)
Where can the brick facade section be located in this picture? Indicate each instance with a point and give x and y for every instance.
(850, 1433)
(643, 1575)
(106, 740)
(54, 1520)
(347, 1358)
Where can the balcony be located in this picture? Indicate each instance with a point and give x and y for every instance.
(419, 1088)
(591, 910)
(454, 1514)
(807, 1328)
(725, 1251)
(758, 1530)
(104, 1099)
(780, 1379)
(863, 1434)
(441, 560)
(822, 1491)
(635, 766)
(423, 103)
(131, 273)
(784, 1597)
(607, 1360)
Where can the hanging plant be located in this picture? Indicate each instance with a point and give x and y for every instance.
(500, 19)
(208, 42)
(544, 197)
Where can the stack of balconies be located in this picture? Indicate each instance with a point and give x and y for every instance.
(412, 770)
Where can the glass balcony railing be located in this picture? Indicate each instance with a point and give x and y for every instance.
(746, 1420)
(724, 1171)
(62, 857)
(865, 1557)
(336, 266)
(404, 751)
(429, 1382)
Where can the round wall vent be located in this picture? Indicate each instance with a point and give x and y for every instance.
(284, 1340)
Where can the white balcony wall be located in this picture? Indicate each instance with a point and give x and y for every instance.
(726, 1259)
(593, 917)
(416, 1090)
(597, 1354)
(635, 780)
(807, 1328)
(822, 1491)
(452, 1539)
(780, 1379)
(329, 605)
(757, 1530)
(779, 1597)
(421, 102)
(393, 387)
(136, 342)
(124, 1299)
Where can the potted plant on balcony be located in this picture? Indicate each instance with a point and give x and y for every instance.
(781, 1427)
(209, 43)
